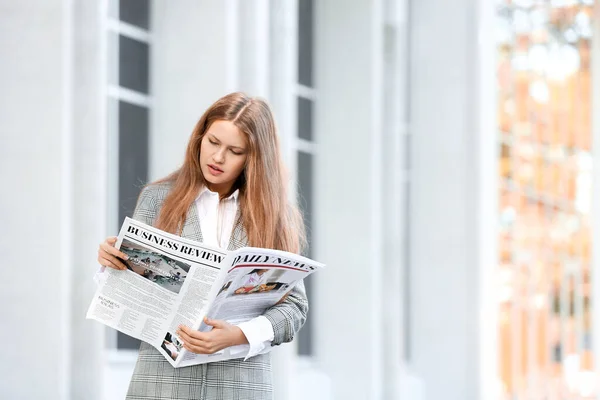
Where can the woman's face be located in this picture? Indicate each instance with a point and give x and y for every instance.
(223, 154)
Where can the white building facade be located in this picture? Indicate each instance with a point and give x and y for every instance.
(380, 106)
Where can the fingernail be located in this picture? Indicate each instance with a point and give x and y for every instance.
(126, 257)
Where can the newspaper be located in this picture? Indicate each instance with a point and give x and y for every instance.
(172, 281)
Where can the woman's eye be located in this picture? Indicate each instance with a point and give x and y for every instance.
(211, 142)
(236, 153)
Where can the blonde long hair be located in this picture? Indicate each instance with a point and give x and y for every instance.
(269, 219)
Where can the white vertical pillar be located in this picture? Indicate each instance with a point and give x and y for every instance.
(88, 192)
(452, 199)
(349, 179)
(395, 241)
(282, 59)
(66, 196)
(36, 169)
(487, 177)
(254, 40)
(194, 62)
(232, 44)
(283, 73)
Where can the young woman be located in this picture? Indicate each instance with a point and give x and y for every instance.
(230, 192)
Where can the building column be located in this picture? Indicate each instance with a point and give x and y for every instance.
(397, 183)
(349, 176)
(51, 160)
(277, 83)
(253, 45)
(88, 196)
(453, 199)
(194, 62)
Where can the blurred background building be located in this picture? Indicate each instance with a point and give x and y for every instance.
(443, 153)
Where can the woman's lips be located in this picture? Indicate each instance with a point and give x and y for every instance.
(214, 170)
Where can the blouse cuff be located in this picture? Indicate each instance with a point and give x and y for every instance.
(259, 333)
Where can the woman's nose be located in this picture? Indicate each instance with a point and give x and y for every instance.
(219, 156)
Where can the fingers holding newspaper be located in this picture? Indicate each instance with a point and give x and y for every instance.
(222, 335)
(109, 256)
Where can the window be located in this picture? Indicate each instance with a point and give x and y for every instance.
(305, 146)
(129, 107)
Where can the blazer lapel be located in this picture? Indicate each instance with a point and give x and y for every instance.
(191, 228)
(238, 234)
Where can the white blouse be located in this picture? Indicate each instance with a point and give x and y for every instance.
(216, 221)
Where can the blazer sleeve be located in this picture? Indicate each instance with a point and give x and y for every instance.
(289, 316)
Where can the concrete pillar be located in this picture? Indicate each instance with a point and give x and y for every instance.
(452, 198)
(50, 213)
(349, 180)
(253, 45)
(395, 224)
(89, 196)
(277, 83)
(283, 56)
(34, 311)
(193, 62)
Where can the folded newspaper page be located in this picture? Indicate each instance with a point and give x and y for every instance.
(172, 281)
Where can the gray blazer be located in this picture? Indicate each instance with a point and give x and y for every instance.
(154, 378)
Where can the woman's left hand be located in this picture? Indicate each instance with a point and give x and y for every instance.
(222, 335)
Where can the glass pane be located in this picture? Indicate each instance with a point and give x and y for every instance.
(305, 200)
(305, 118)
(133, 64)
(305, 42)
(133, 172)
(545, 167)
(135, 12)
(133, 155)
(305, 197)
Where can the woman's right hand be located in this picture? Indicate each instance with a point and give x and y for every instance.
(108, 256)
